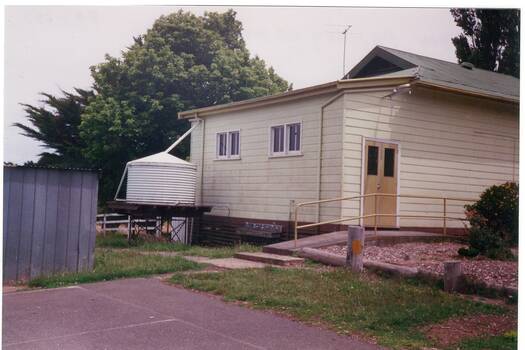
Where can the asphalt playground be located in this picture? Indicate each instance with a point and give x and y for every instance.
(146, 313)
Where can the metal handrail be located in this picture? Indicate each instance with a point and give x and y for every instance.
(375, 215)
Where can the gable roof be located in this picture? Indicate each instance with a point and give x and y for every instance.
(385, 67)
(383, 61)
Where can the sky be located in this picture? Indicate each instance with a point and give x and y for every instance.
(50, 48)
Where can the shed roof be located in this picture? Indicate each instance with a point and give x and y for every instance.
(384, 61)
(50, 167)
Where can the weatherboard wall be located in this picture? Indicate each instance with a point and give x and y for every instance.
(450, 145)
(258, 186)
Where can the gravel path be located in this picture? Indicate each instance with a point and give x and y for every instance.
(430, 257)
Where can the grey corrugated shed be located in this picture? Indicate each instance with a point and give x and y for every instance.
(444, 73)
(49, 219)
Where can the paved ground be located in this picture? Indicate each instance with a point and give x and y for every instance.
(224, 263)
(228, 263)
(148, 314)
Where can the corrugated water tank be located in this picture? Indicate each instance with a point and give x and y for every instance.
(161, 179)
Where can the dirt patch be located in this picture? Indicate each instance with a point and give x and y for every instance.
(429, 257)
(455, 330)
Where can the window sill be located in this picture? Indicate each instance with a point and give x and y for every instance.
(226, 159)
(285, 155)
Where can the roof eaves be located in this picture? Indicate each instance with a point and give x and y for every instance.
(332, 87)
(376, 81)
(433, 84)
(312, 90)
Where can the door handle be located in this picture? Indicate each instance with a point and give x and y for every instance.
(378, 186)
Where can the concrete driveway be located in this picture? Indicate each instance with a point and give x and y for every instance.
(148, 314)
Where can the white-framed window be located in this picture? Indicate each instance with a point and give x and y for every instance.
(229, 145)
(285, 139)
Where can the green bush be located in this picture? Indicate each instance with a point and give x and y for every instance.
(484, 239)
(497, 210)
(468, 252)
(493, 222)
(487, 242)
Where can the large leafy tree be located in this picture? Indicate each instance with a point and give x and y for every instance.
(490, 39)
(183, 62)
(55, 125)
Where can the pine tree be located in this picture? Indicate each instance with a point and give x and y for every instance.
(56, 126)
(490, 39)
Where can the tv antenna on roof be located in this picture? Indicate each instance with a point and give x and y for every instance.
(344, 47)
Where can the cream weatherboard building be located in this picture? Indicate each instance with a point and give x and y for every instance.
(400, 124)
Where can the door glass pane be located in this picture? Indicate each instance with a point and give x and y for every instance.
(373, 152)
(390, 154)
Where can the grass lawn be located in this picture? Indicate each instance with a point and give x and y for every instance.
(118, 241)
(392, 311)
(507, 341)
(111, 265)
(112, 262)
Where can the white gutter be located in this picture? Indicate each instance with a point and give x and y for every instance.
(202, 162)
(399, 89)
(180, 139)
(121, 181)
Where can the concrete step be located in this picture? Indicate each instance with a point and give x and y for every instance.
(289, 247)
(273, 259)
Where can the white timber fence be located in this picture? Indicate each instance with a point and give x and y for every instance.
(108, 222)
(112, 222)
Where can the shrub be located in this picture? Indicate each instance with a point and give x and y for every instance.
(484, 239)
(468, 252)
(493, 222)
(497, 210)
(487, 242)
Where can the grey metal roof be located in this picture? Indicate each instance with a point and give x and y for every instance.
(48, 167)
(439, 72)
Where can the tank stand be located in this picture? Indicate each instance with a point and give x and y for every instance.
(176, 229)
(174, 221)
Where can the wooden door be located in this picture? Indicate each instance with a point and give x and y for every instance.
(381, 162)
